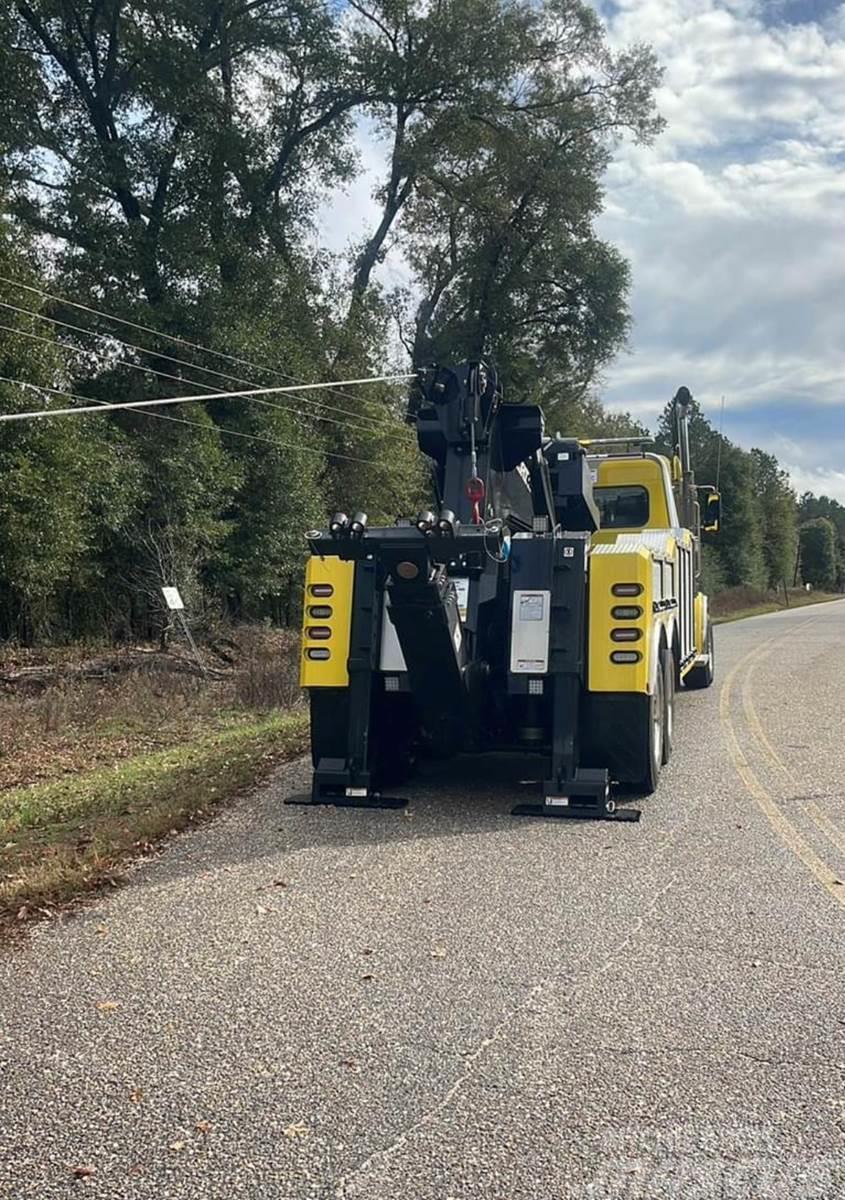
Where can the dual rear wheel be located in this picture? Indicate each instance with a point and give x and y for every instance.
(658, 722)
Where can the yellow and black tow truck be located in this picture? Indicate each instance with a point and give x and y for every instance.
(548, 604)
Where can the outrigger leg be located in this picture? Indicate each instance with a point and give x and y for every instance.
(573, 792)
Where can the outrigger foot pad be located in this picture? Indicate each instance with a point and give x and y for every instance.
(577, 812)
(370, 800)
(581, 796)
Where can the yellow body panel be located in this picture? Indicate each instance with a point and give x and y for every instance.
(700, 622)
(333, 671)
(666, 570)
(608, 567)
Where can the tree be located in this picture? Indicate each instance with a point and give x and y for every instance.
(59, 478)
(810, 507)
(167, 162)
(739, 542)
(776, 502)
(158, 138)
(818, 553)
(494, 186)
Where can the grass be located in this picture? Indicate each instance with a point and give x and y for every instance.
(66, 837)
(68, 725)
(738, 603)
(96, 772)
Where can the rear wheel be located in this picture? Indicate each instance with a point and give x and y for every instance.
(393, 740)
(652, 733)
(667, 663)
(701, 675)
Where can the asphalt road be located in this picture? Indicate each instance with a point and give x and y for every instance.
(458, 1003)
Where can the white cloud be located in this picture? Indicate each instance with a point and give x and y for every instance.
(821, 481)
(733, 222)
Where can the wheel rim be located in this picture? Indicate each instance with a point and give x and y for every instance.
(657, 722)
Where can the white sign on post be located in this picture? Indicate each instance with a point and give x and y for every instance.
(175, 603)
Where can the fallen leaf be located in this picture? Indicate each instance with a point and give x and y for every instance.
(261, 910)
(367, 950)
(203, 1126)
(108, 1005)
(177, 1146)
(438, 952)
(101, 930)
(136, 1095)
(298, 1130)
(280, 883)
(366, 978)
(22, 912)
(84, 1172)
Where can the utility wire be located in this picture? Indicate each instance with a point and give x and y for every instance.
(171, 338)
(43, 387)
(180, 362)
(124, 362)
(164, 400)
(252, 437)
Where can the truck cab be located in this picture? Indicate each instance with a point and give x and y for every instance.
(648, 553)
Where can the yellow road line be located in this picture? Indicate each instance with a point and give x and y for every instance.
(784, 828)
(752, 717)
(833, 834)
(830, 831)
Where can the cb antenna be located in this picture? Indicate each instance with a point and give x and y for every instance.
(719, 447)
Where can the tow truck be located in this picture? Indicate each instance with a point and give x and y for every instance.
(548, 604)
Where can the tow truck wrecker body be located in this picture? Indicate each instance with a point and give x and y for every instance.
(548, 605)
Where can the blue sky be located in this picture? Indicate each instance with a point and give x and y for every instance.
(734, 224)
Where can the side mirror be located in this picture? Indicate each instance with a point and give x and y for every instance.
(711, 513)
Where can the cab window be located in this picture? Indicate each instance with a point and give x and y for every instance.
(622, 507)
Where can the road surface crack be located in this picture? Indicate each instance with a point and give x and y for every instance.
(496, 1034)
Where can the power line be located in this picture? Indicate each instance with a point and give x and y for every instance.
(164, 400)
(170, 337)
(186, 420)
(180, 362)
(43, 387)
(123, 362)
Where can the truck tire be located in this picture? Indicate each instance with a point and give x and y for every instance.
(391, 769)
(667, 662)
(653, 715)
(392, 746)
(701, 676)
